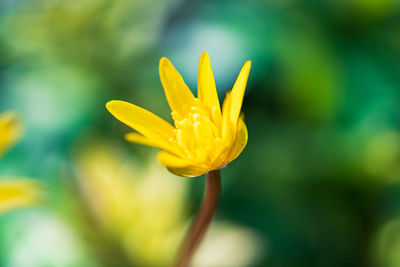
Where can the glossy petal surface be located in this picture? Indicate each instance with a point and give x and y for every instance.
(179, 96)
(206, 89)
(141, 120)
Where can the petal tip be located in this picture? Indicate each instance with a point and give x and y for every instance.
(203, 55)
(112, 104)
(247, 64)
(128, 136)
(164, 61)
(204, 59)
(109, 104)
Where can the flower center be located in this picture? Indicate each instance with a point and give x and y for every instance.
(196, 135)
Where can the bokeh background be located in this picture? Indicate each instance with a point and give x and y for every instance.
(317, 185)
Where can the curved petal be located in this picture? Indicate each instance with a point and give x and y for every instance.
(240, 141)
(14, 194)
(141, 120)
(206, 89)
(188, 171)
(10, 130)
(140, 139)
(179, 96)
(170, 160)
(226, 107)
(238, 92)
(179, 166)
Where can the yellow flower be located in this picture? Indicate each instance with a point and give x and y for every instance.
(10, 130)
(204, 137)
(18, 193)
(14, 194)
(135, 204)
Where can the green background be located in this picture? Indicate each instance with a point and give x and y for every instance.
(318, 182)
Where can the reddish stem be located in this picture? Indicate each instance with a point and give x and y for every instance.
(199, 226)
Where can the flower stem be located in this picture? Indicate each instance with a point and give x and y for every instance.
(199, 226)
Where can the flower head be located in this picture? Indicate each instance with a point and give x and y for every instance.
(205, 137)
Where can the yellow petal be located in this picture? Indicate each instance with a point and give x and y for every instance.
(168, 159)
(141, 120)
(140, 139)
(10, 130)
(206, 89)
(190, 171)
(179, 96)
(240, 141)
(226, 128)
(238, 92)
(18, 193)
(179, 166)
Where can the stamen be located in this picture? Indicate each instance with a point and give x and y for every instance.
(179, 138)
(196, 134)
(206, 121)
(199, 111)
(175, 116)
(196, 126)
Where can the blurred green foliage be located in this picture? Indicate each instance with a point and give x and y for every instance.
(319, 179)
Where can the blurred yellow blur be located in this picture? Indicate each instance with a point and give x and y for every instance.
(14, 193)
(139, 205)
(142, 207)
(10, 130)
(386, 248)
(18, 193)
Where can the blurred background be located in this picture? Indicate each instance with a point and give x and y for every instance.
(317, 185)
